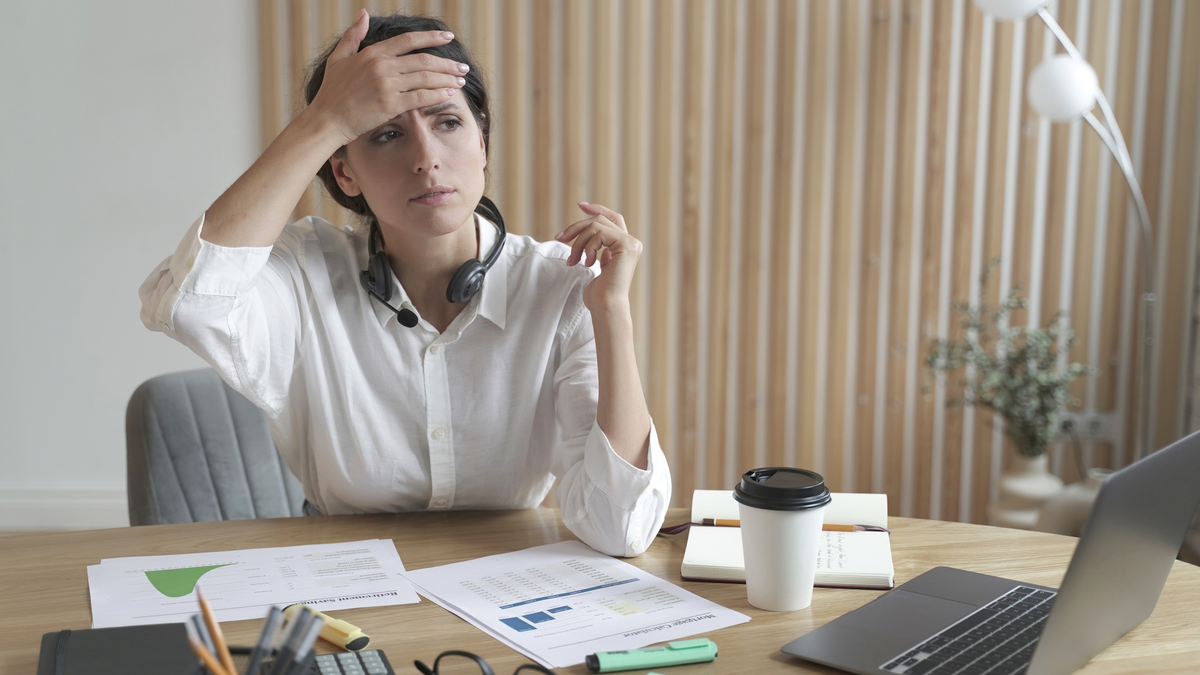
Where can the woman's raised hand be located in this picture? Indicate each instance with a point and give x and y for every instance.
(603, 229)
(364, 89)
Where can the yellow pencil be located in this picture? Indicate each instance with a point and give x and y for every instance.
(218, 638)
(721, 522)
(828, 527)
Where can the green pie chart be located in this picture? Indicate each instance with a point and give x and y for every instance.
(180, 581)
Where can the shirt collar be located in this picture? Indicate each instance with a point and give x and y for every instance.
(493, 296)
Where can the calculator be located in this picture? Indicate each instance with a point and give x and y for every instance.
(366, 662)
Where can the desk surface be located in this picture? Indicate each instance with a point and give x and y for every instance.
(43, 585)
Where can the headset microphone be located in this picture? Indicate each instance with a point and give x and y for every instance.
(404, 315)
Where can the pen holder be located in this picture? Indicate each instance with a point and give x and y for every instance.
(241, 660)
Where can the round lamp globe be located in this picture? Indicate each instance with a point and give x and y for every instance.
(1062, 88)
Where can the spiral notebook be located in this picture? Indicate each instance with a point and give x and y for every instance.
(844, 559)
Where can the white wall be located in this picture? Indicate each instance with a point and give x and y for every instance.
(119, 123)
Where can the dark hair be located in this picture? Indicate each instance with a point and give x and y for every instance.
(381, 28)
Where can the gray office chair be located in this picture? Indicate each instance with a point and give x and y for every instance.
(197, 450)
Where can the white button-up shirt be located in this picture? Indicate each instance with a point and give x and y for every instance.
(375, 417)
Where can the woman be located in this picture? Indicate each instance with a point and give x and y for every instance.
(434, 403)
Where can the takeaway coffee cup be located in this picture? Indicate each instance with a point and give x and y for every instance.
(782, 510)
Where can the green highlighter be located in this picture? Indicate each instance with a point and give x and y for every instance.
(671, 654)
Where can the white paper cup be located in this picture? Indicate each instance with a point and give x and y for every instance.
(782, 511)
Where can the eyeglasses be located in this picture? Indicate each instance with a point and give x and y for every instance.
(463, 663)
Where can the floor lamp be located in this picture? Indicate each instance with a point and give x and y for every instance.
(1064, 88)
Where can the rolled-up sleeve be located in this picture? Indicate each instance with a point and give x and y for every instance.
(611, 505)
(235, 307)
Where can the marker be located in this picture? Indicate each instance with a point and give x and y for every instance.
(340, 633)
(675, 653)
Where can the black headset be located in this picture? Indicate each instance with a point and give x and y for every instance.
(377, 278)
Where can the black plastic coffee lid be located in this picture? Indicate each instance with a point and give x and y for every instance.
(781, 488)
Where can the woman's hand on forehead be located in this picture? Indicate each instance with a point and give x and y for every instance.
(364, 89)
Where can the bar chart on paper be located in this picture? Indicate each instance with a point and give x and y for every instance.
(245, 584)
(559, 602)
(516, 593)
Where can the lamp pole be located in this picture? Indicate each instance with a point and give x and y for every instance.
(1064, 88)
(1110, 135)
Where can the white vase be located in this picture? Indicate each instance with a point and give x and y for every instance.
(1024, 488)
(1067, 512)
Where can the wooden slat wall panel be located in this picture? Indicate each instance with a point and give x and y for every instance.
(815, 181)
(664, 118)
(777, 297)
(300, 52)
(1183, 217)
(1121, 26)
(695, 157)
(271, 118)
(714, 452)
(915, 168)
(928, 450)
(635, 118)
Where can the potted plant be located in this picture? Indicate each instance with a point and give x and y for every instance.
(1013, 371)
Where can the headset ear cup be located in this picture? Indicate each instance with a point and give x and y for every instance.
(466, 282)
(381, 275)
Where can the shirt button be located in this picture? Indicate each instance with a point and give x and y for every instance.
(439, 433)
(163, 325)
(435, 349)
(191, 261)
(440, 502)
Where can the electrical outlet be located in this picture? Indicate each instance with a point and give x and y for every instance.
(1068, 424)
(1094, 426)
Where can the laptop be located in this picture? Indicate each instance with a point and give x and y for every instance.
(949, 621)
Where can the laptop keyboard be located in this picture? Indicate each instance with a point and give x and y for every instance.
(997, 639)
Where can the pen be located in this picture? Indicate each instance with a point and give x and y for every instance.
(214, 629)
(270, 624)
(297, 627)
(340, 633)
(671, 654)
(202, 632)
(210, 662)
(304, 654)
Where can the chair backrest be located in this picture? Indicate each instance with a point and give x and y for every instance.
(197, 450)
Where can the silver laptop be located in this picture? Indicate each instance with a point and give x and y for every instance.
(953, 621)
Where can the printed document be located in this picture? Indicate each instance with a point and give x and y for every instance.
(245, 584)
(561, 602)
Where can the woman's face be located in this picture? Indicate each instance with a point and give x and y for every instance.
(422, 172)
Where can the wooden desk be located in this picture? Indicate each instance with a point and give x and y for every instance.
(43, 585)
